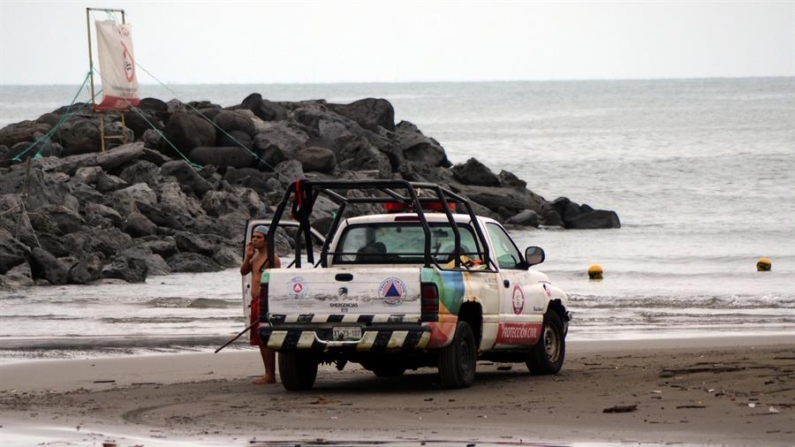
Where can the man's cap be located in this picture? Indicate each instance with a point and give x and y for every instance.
(261, 229)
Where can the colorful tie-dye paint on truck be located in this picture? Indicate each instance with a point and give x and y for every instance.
(400, 291)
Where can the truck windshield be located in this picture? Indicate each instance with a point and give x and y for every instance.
(402, 243)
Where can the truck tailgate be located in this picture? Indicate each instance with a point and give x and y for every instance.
(340, 290)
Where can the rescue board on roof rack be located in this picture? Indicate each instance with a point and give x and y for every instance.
(427, 283)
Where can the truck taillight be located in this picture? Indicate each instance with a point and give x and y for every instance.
(430, 302)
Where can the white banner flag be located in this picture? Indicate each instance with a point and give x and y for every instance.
(117, 66)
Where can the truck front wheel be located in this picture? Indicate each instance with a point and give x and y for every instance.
(458, 359)
(546, 357)
(297, 370)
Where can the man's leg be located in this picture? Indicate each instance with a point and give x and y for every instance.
(269, 360)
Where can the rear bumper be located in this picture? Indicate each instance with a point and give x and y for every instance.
(382, 337)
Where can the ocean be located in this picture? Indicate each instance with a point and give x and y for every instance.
(701, 173)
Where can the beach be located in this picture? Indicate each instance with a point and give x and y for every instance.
(732, 391)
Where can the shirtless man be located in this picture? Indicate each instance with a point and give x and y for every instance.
(254, 262)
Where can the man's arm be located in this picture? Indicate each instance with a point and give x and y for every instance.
(245, 267)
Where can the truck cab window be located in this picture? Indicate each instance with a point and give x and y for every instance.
(505, 251)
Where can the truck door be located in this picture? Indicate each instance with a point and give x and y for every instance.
(522, 300)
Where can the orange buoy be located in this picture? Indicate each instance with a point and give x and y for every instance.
(595, 272)
(763, 265)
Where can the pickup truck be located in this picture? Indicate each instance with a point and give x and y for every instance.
(424, 283)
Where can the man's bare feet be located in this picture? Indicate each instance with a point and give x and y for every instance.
(265, 380)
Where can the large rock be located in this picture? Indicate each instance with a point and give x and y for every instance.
(277, 143)
(165, 247)
(18, 277)
(24, 131)
(218, 203)
(140, 120)
(57, 219)
(596, 219)
(141, 171)
(474, 172)
(189, 180)
(370, 113)
(128, 268)
(42, 189)
(264, 109)
(155, 264)
(357, 154)
(413, 146)
(137, 225)
(230, 121)
(187, 131)
(107, 241)
(79, 136)
(223, 157)
(289, 171)
(98, 215)
(526, 218)
(44, 265)
(318, 159)
(192, 243)
(249, 178)
(119, 156)
(12, 251)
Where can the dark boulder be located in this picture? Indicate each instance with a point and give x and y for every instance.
(264, 109)
(98, 215)
(18, 277)
(192, 243)
(117, 134)
(155, 264)
(357, 154)
(230, 121)
(165, 246)
(218, 203)
(276, 143)
(119, 156)
(24, 131)
(509, 180)
(551, 218)
(43, 265)
(12, 251)
(140, 120)
(416, 147)
(85, 269)
(108, 183)
(141, 171)
(370, 113)
(128, 268)
(249, 178)
(107, 241)
(597, 219)
(80, 136)
(54, 244)
(190, 182)
(153, 105)
(289, 171)
(318, 159)
(56, 219)
(187, 131)
(223, 157)
(476, 173)
(137, 225)
(526, 218)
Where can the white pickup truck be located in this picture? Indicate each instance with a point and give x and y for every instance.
(419, 285)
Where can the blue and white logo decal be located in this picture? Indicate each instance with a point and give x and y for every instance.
(392, 291)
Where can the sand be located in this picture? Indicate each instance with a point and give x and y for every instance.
(734, 391)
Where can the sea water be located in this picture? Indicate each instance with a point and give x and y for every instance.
(701, 173)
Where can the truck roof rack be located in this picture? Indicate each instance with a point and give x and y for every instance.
(302, 195)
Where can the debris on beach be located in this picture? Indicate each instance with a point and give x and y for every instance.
(621, 409)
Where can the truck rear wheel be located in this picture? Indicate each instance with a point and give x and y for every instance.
(297, 370)
(457, 360)
(546, 357)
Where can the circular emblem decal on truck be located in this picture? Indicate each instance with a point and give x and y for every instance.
(392, 291)
(517, 299)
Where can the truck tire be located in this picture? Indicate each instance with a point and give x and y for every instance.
(297, 370)
(546, 357)
(457, 360)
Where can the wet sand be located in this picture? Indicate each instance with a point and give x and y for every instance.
(733, 391)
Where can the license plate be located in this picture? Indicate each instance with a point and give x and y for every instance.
(346, 333)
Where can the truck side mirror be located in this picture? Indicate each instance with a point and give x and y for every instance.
(534, 256)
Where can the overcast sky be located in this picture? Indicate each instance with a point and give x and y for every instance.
(45, 42)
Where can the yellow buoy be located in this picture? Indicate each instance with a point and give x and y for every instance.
(763, 265)
(595, 272)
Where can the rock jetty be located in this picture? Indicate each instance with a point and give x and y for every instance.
(175, 197)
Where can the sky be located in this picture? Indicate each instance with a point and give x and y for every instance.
(261, 42)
